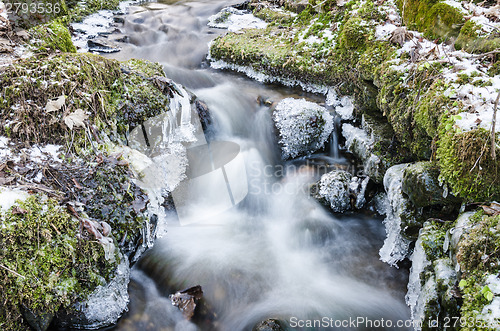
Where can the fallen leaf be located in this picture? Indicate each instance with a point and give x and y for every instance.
(18, 210)
(77, 185)
(492, 210)
(75, 119)
(55, 104)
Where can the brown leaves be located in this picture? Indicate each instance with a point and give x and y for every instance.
(75, 119)
(400, 36)
(492, 210)
(186, 300)
(55, 104)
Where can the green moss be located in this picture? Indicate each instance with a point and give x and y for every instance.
(273, 16)
(53, 36)
(49, 267)
(114, 99)
(478, 256)
(473, 39)
(466, 163)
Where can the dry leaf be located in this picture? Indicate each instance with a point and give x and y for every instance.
(75, 119)
(18, 210)
(55, 104)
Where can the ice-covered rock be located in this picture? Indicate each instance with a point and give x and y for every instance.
(104, 306)
(395, 246)
(333, 190)
(432, 281)
(303, 126)
(234, 20)
(340, 191)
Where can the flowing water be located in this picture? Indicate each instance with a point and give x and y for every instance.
(278, 254)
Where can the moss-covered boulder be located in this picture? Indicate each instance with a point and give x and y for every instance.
(52, 36)
(88, 212)
(421, 184)
(47, 262)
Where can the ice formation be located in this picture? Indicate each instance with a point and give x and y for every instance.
(303, 126)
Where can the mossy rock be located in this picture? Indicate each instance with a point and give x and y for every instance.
(421, 184)
(467, 166)
(472, 39)
(437, 20)
(46, 266)
(478, 257)
(116, 97)
(52, 36)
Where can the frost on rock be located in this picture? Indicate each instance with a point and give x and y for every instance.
(303, 126)
(343, 106)
(264, 78)
(334, 189)
(107, 303)
(419, 263)
(395, 246)
(234, 20)
(360, 144)
(491, 312)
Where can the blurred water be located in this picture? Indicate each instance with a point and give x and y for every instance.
(277, 254)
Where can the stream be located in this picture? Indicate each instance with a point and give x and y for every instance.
(278, 253)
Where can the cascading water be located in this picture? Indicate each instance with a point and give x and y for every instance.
(278, 254)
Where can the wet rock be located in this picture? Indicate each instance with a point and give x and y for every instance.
(431, 287)
(303, 126)
(186, 300)
(103, 307)
(421, 184)
(271, 324)
(102, 46)
(374, 145)
(39, 321)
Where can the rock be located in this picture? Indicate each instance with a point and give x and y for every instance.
(421, 184)
(271, 324)
(333, 190)
(186, 300)
(303, 126)
(102, 46)
(432, 279)
(39, 321)
(103, 307)
(374, 146)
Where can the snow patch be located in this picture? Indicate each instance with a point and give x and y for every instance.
(234, 20)
(8, 198)
(343, 106)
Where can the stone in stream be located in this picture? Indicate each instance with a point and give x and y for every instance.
(102, 46)
(303, 126)
(340, 191)
(270, 324)
(186, 300)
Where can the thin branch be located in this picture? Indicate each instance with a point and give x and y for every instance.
(493, 124)
(15, 273)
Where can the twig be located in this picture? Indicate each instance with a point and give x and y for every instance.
(485, 54)
(15, 273)
(493, 124)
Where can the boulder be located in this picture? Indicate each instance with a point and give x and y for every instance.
(421, 184)
(303, 126)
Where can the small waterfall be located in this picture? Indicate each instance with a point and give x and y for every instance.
(334, 138)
